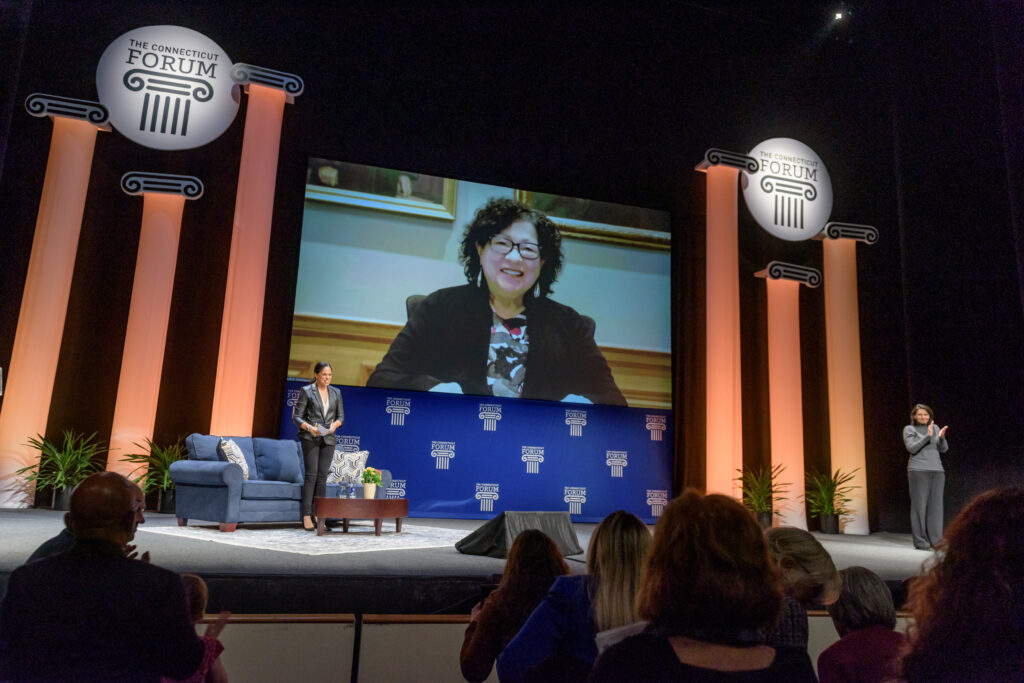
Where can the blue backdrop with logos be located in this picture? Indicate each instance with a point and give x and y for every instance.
(472, 457)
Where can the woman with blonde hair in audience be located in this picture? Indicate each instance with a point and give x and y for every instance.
(533, 564)
(968, 609)
(809, 579)
(868, 649)
(211, 669)
(709, 590)
(557, 641)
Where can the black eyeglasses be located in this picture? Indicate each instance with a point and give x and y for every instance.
(528, 250)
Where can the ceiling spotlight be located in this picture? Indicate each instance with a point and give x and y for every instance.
(839, 15)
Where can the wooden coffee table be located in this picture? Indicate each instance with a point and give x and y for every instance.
(359, 508)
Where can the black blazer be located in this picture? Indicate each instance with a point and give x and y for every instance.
(310, 410)
(446, 340)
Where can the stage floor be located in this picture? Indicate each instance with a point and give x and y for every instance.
(279, 568)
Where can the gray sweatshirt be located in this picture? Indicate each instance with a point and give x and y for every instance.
(924, 450)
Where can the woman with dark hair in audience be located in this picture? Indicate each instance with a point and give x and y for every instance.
(318, 414)
(709, 590)
(533, 564)
(809, 579)
(968, 609)
(868, 649)
(501, 334)
(557, 642)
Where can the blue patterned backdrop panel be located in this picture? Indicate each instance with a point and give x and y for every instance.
(472, 457)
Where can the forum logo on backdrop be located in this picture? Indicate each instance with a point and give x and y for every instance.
(487, 494)
(790, 195)
(490, 413)
(533, 456)
(656, 426)
(657, 499)
(167, 87)
(575, 496)
(348, 444)
(398, 408)
(292, 397)
(576, 419)
(396, 490)
(616, 460)
(442, 452)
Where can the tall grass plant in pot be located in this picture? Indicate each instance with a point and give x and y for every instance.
(828, 497)
(154, 471)
(763, 492)
(63, 465)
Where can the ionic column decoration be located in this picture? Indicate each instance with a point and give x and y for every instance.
(142, 361)
(785, 395)
(842, 343)
(234, 395)
(44, 300)
(724, 409)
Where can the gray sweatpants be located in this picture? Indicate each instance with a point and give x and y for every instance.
(926, 506)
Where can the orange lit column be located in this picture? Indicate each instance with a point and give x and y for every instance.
(842, 341)
(234, 394)
(724, 416)
(146, 334)
(44, 301)
(785, 396)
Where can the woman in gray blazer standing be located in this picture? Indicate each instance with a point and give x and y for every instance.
(318, 413)
(925, 441)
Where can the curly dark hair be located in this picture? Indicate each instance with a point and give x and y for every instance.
(709, 569)
(495, 216)
(967, 608)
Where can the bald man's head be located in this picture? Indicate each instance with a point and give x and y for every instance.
(105, 505)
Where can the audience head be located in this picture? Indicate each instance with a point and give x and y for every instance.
(105, 505)
(615, 559)
(808, 573)
(197, 595)
(864, 601)
(533, 559)
(967, 609)
(708, 569)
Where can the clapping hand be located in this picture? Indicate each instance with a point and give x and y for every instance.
(942, 432)
(214, 628)
(132, 553)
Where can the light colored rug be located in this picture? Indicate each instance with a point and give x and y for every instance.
(359, 539)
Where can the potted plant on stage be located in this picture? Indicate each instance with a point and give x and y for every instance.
(154, 471)
(762, 492)
(61, 467)
(828, 497)
(371, 480)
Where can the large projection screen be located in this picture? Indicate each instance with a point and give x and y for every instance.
(374, 237)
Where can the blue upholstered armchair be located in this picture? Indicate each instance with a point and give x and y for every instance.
(210, 488)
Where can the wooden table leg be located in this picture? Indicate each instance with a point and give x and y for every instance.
(378, 522)
(320, 524)
(398, 525)
(344, 525)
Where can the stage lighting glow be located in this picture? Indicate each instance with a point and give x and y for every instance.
(839, 16)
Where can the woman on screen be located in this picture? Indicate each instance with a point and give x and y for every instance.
(501, 334)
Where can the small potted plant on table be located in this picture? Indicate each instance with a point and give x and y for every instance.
(371, 480)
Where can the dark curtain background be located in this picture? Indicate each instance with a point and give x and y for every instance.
(917, 115)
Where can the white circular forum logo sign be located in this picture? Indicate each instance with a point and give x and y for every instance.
(790, 195)
(167, 87)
